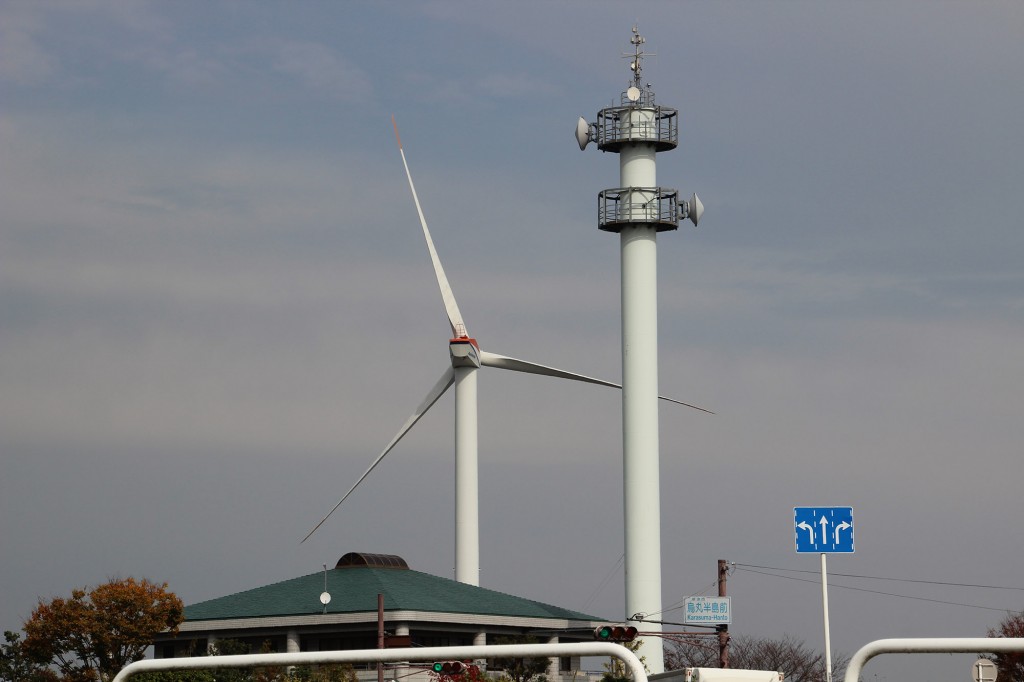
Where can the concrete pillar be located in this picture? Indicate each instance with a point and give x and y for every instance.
(480, 639)
(401, 670)
(291, 646)
(553, 667)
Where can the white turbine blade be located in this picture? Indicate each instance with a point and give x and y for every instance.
(443, 384)
(450, 306)
(488, 359)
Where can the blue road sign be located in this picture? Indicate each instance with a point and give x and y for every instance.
(823, 529)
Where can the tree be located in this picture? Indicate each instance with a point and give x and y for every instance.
(616, 671)
(1010, 665)
(15, 664)
(94, 634)
(695, 652)
(519, 669)
(197, 675)
(796, 660)
(331, 672)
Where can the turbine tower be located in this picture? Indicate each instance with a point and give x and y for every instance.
(637, 129)
(466, 358)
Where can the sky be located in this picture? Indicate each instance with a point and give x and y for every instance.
(216, 306)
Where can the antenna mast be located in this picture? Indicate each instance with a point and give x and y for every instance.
(636, 66)
(637, 210)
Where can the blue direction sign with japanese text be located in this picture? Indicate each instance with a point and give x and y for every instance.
(823, 529)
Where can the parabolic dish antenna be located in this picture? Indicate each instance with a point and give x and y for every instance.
(325, 598)
(633, 93)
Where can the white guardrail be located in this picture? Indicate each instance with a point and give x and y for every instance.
(939, 645)
(437, 653)
(953, 645)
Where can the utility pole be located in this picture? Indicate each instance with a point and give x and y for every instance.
(723, 630)
(380, 635)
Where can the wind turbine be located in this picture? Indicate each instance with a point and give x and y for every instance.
(466, 358)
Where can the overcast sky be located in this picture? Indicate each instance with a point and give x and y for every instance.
(216, 305)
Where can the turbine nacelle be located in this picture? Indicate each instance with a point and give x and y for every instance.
(464, 352)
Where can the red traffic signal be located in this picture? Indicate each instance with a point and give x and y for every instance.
(615, 633)
(449, 667)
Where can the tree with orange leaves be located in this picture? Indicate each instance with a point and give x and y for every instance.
(94, 634)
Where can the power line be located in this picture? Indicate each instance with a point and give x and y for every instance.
(874, 577)
(887, 594)
(611, 573)
(604, 581)
(682, 602)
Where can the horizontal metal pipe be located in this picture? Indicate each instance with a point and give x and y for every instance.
(437, 653)
(951, 645)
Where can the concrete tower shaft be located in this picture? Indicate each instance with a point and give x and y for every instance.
(637, 129)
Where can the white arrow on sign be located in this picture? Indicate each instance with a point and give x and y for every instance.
(806, 527)
(842, 526)
(824, 529)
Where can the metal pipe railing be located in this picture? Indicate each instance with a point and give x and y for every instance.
(437, 653)
(950, 645)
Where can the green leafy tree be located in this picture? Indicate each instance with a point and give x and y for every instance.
(1010, 665)
(334, 672)
(519, 669)
(195, 675)
(305, 673)
(175, 676)
(231, 647)
(272, 673)
(96, 633)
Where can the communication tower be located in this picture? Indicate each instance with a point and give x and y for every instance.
(638, 209)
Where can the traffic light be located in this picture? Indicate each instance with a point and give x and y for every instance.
(615, 633)
(448, 667)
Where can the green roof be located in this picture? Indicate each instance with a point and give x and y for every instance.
(355, 590)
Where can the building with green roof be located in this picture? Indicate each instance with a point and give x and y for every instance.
(338, 609)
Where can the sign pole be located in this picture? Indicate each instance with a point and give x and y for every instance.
(723, 629)
(828, 530)
(984, 670)
(824, 605)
